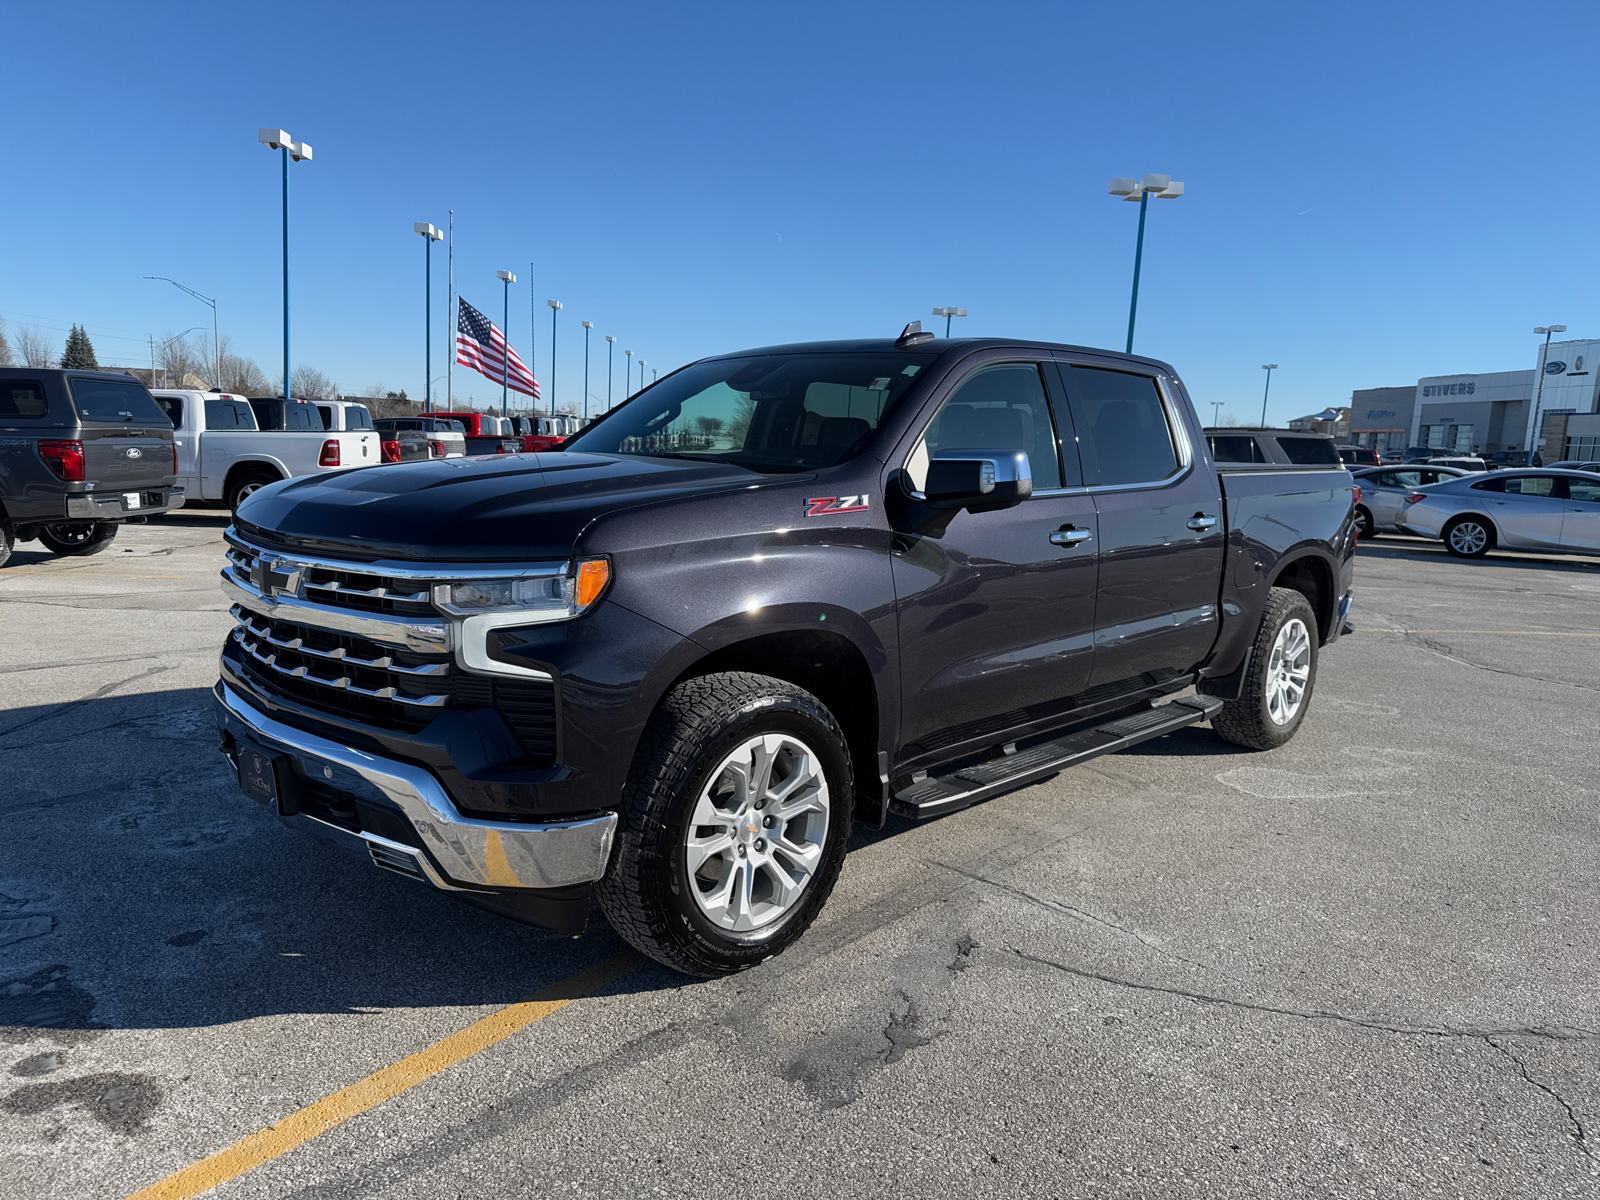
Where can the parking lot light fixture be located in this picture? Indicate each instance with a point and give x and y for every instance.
(947, 313)
(1269, 368)
(555, 307)
(278, 139)
(587, 326)
(611, 344)
(1162, 187)
(216, 342)
(506, 278)
(627, 379)
(430, 235)
(1538, 391)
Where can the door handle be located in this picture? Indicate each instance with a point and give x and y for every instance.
(1069, 537)
(1200, 522)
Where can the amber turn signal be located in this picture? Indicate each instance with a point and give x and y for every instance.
(593, 575)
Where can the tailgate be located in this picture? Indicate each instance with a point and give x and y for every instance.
(119, 460)
(359, 449)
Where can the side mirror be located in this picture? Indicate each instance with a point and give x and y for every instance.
(978, 480)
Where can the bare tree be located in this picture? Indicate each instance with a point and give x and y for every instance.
(34, 347)
(180, 357)
(238, 373)
(308, 383)
(5, 345)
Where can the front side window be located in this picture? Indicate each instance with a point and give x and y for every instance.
(1410, 479)
(775, 413)
(111, 402)
(1001, 407)
(1585, 491)
(1123, 434)
(22, 398)
(172, 406)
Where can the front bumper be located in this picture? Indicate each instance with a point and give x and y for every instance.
(405, 821)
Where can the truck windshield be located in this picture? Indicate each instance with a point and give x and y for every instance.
(771, 412)
(106, 401)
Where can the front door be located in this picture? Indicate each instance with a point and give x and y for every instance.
(1580, 524)
(1161, 528)
(1528, 510)
(997, 610)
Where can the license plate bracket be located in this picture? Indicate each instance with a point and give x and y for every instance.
(266, 778)
(132, 500)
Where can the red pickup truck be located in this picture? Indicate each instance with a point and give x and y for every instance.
(486, 434)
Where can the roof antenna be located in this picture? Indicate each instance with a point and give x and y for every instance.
(912, 335)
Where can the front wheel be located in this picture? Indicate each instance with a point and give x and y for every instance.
(1468, 537)
(78, 539)
(735, 818)
(1282, 673)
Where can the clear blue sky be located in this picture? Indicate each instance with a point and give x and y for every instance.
(1375, 191)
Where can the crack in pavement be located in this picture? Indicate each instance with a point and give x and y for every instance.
(1448, 653)
(1554, 1033)
(1578, 1134)
(98, 693)
(96, 662)
(1088, 918)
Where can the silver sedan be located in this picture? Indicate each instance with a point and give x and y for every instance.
(1384, 490)
(1545, 510)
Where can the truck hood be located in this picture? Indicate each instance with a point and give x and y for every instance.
(503, 507)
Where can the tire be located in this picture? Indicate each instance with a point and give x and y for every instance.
(78, 539)
(1257, 720)
(246, 484)
(1468, 537)
(691, 919)
(1364, 526)
(8, 539)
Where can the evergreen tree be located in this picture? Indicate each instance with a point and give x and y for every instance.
(79, 354)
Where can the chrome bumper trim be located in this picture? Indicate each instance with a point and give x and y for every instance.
(492, 855)
(414, 633)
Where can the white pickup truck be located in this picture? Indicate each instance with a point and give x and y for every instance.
(223, 455)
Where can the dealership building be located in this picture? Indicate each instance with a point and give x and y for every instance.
(1489, 413)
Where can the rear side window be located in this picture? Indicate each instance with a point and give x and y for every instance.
(356, 417)
(22, 398)
(1123, 435)
(1233, 448)
(996, 408)
(1411, 479)
(1309, 452)
(302, 417)
(325, 411)
(172, 406)
(1535, 485)
(228, 414)
(110, 402)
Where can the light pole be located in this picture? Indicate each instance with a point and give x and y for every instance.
(1164, 188)
(555, 307)
(611, 344)
(430, 235)
(1538, 392)
(450, 318)
(216, 342)
(642, 366)
(653, 374)
(1216, 412)
(507, 278)
(166, 379)
(587, 325)
(1269, 368)
(627, 380)
(947, 313)
(277, 139)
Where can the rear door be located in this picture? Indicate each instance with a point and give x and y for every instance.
(1580, 524)
(1528, 510)
(1161, 530)
(127, 439)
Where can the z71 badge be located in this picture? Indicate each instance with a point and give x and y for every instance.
(826, 506)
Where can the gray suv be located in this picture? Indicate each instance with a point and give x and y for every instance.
(80, 453)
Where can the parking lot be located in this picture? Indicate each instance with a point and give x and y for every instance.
(1363, 965)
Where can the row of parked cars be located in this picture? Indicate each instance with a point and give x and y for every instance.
(82, 452)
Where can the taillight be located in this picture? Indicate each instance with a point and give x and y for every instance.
(330, 453)
(1415, 497)
(391, 452)
(174, 456)
(64, 458)
(435, 448)
(1357, 500)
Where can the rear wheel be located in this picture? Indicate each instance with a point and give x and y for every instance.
(735, 818)
(1468, 537)
(89, 537)
(1364, 525)
(8, 539)
(1278, 685)
(246, 485)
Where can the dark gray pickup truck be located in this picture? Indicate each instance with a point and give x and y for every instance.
(775, 593)
(80, 453)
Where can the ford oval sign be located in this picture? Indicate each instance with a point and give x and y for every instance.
(1554, 368)
(135, 452)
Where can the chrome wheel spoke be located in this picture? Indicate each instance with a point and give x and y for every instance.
(1288, 672)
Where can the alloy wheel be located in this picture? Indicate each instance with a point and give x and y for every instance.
(1288, 672)
(1468, 537)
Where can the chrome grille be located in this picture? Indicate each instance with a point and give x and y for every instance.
(343, 586)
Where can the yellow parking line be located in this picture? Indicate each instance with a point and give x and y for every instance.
(300, 1127)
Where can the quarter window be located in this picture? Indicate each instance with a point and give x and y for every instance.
(22, 398)
(1123, 435)
(1001, 407)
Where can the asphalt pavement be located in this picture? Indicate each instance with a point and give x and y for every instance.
(1365, 964)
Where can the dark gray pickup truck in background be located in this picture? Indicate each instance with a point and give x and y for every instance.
(80, 453)
(774, 593)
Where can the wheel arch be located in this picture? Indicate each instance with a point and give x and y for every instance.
(1313, 577)
(250, 466)
(1482, 518)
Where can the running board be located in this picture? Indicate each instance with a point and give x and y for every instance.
(940, 794)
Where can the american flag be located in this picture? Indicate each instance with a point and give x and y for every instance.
(481, 346)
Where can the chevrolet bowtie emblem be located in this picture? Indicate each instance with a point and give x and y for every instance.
(276, 576)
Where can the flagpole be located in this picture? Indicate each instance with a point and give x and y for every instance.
(533, 331)
(450, 369)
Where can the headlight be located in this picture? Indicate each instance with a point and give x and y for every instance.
(540, 597)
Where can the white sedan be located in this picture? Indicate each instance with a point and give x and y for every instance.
(1545, 510)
